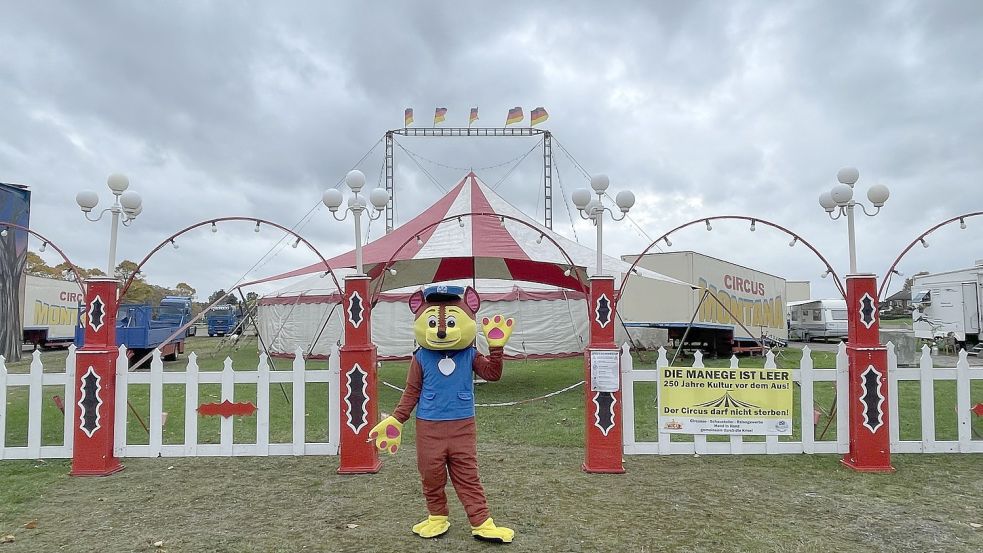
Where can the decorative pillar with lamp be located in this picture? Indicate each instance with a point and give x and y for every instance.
(95, 362)
(602, 361)
(359, 399)
(870, 445)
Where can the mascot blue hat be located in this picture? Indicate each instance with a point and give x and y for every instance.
(442, 292)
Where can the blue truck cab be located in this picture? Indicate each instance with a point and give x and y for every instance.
(176, 310)
(222, 320)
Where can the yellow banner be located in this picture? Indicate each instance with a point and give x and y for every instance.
(725, 401)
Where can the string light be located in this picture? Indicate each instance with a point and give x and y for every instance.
(296, 242)
(826, 274)
(709, 228)
(924, 242)
(257, 227)
(43, 246)
(752, 225)
(214, 228)
(4, 232)
(173, 243)
(418, 241)
(503, 221)
(567, 272)
(460, 222)
(794, 240)
(668, 243)
(392, 271)
(540, 239)
(962, 223)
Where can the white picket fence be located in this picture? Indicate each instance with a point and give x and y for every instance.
(34, 381)
(806, 375)
(191, 379)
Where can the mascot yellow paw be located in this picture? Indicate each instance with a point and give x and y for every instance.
(434, 526)
(489, 532)
(387, 434)
(497, 330)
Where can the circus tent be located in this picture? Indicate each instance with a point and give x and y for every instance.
(520, 268)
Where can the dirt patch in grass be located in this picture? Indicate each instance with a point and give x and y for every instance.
(779, 503)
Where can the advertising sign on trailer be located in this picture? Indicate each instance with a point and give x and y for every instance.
(696, 400)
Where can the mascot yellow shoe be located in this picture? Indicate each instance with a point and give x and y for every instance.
(489, 532)
(433, 527)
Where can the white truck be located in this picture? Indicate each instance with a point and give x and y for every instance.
(948, 302)
(812, 319)
(50, 311)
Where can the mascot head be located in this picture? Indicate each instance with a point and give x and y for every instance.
(445, 317)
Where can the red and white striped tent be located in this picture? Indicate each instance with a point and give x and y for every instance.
(495, 245)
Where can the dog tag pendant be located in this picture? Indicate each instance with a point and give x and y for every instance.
(446, 366)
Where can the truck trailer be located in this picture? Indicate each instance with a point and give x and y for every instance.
(51, 308)
(948, 303)
(746, 297)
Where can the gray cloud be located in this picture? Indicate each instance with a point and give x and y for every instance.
(232, 108)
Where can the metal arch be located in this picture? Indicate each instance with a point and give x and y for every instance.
(883, 288)
(836, 278)
(167, 240)
(499, 216)
(75, 269)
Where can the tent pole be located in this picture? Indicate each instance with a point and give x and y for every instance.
(688, 327)
(263, 343)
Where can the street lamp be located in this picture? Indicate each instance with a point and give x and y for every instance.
(125, 202)
(333, 197)
(592, 209)
(839, 200)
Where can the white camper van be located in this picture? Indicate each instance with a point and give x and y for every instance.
(949, 302)
(812, 319)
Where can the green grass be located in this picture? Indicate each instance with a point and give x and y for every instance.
(530, 458)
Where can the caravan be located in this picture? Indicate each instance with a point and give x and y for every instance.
(948, 303)
(811, 319)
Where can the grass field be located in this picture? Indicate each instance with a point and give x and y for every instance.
(530, 457)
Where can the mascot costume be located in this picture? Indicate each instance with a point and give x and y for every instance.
(440, 385)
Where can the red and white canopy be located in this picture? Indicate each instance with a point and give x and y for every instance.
(480, 246)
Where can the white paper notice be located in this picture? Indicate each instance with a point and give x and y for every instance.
(604, 368)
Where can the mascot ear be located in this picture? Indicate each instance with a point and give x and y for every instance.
(471, 299)
(416, 301)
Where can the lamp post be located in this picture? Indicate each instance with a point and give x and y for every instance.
(359, 400)
(602, 361)
(870, 444)
(95, 362)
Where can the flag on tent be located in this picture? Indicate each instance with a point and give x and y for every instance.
(408, 117)
(538, 115)
(438, 115)
(515, 115)
(473, 117)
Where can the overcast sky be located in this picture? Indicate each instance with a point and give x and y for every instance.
(244, 108)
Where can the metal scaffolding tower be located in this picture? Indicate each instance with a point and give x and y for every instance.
(467, 131)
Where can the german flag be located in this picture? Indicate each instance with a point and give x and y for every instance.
(438, 115)
(408, 117)
(515, 115)
(538, 115)
(473, 117)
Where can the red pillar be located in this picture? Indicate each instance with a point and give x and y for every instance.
(95, 379)
(359, 398)
(870, 443)
(602, 408)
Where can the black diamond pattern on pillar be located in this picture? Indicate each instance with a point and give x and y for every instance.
(602, 311)
(871, 399)
(356, 399)
(868, 312)
(89, 403)
(604, 411)
(97, 313)
(355, 309)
